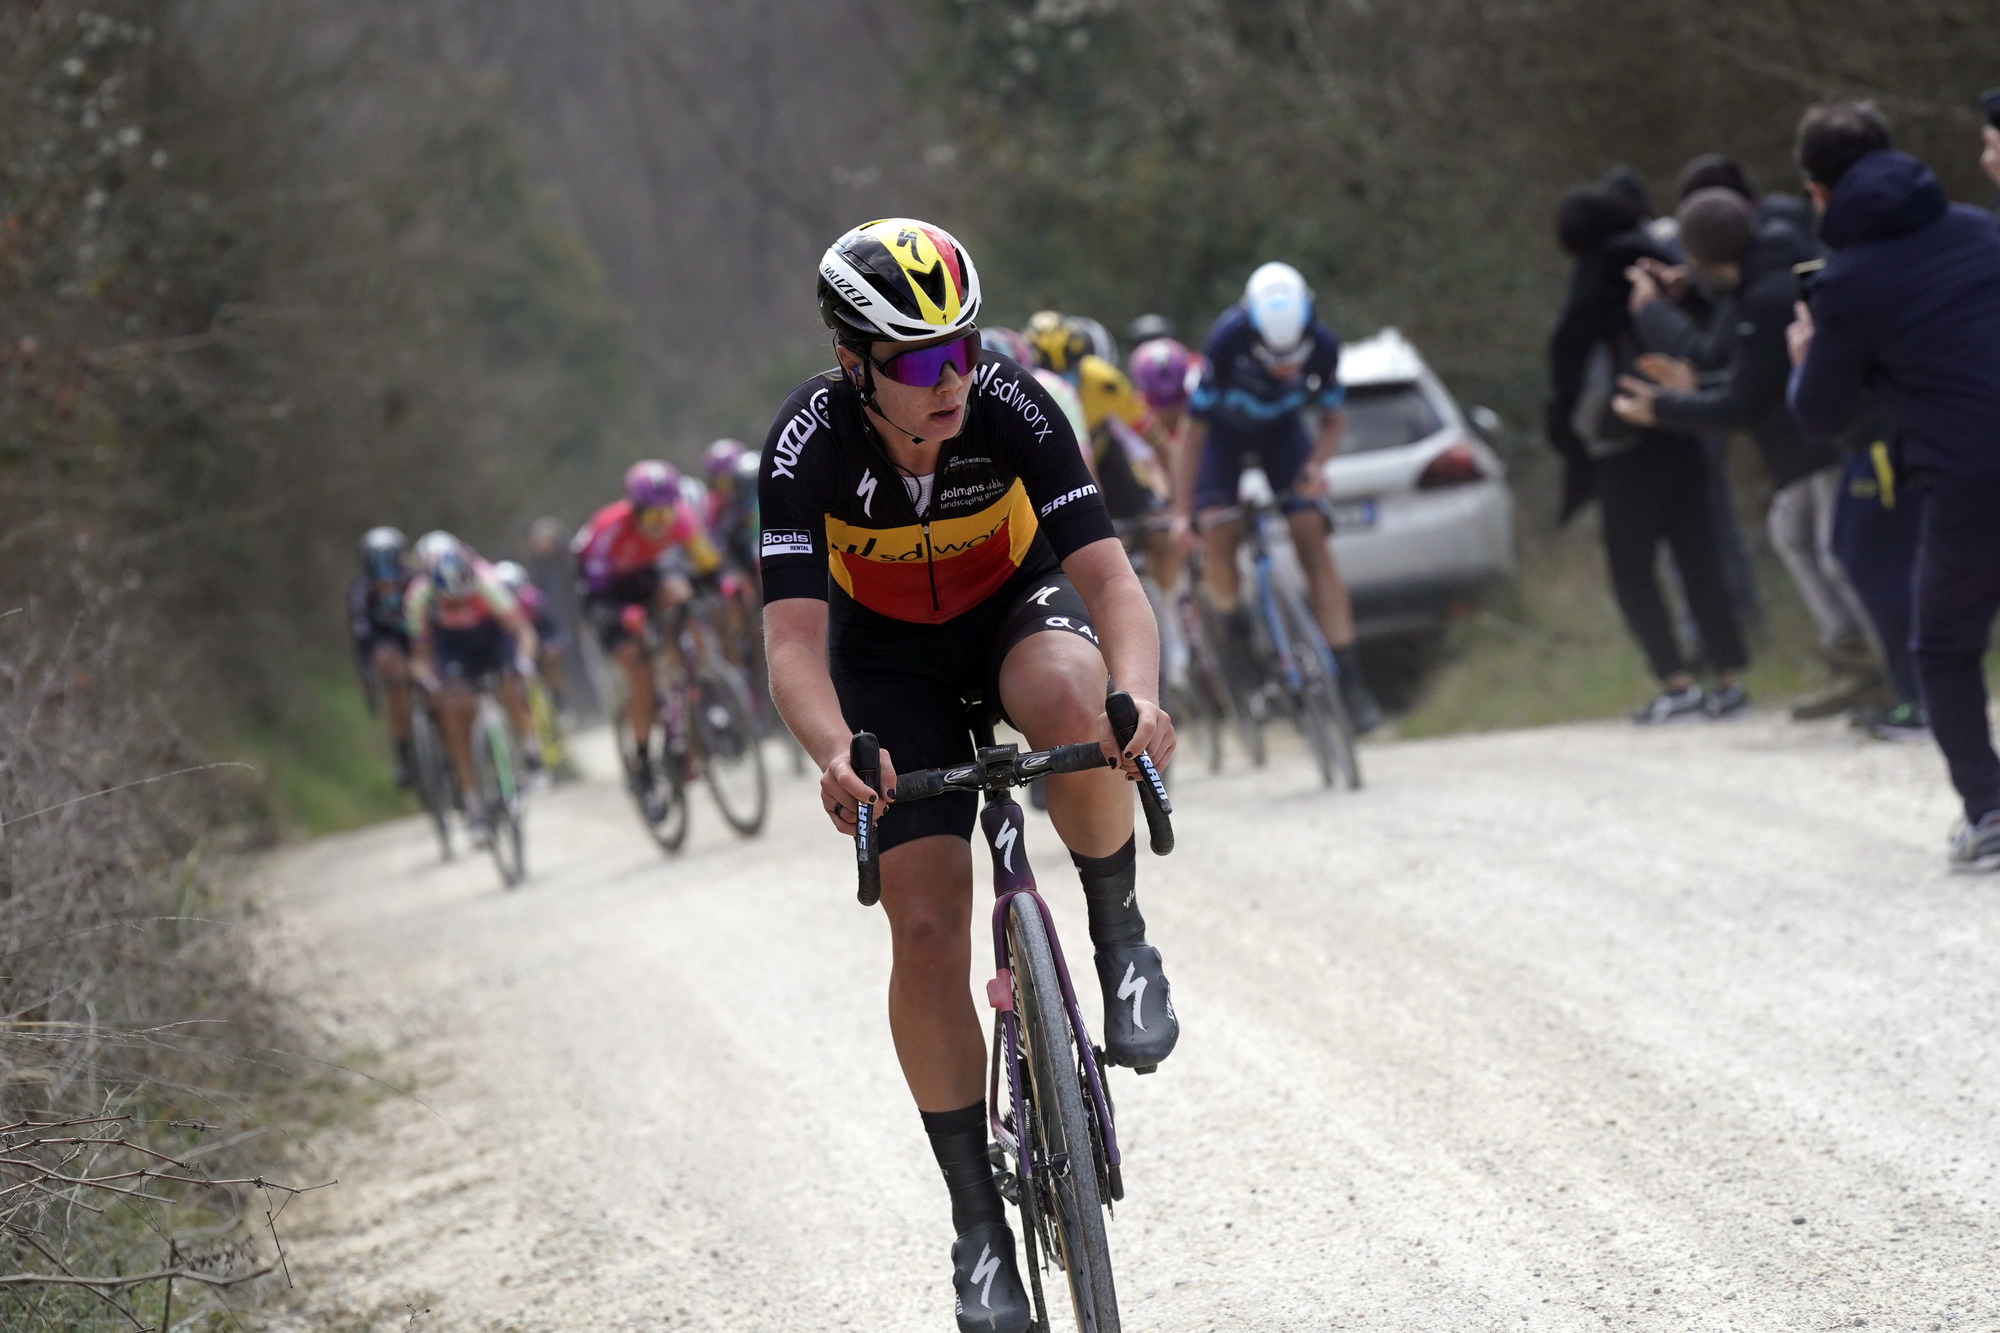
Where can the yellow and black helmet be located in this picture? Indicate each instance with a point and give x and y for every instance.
(1058, 342)
(897, 280)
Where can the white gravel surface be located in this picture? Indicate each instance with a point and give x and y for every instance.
(1576, 1028)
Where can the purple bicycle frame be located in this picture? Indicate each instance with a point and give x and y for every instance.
(1005, 830)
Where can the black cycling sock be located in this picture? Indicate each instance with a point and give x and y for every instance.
(1110, 892)
(958, 1138)
(1348, 659)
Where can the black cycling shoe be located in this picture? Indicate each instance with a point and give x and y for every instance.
(991, 1298)
(1139, 1024)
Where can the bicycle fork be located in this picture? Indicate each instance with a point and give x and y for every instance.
(1004, 826)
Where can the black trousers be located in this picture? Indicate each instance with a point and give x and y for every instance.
(1655, 492)
(1957, 598)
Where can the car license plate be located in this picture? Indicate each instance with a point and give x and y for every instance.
(1353, 514)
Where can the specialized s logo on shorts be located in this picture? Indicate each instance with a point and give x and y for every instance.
(788, 543)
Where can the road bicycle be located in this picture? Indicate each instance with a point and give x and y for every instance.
(1193, 690)
(497, 773)
(1056, 1126)
(703, 728)
(1303, 678)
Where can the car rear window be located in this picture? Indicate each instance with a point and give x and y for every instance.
(1387, 416)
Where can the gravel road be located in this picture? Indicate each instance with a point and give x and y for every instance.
(1565, 1029)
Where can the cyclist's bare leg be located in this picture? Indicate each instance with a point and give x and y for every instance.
(927, 896)
(1164, 562)
(640, 705)
(514, 698)
(1053, 686)
(1218, 564)
(456, 704)
(391, 666)
(1331, 606)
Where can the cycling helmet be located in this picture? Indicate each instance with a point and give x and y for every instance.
(1071, 403)
(1097, 339)
(1148, 327)
(748, 465)
(382, 553)
(720, 458)
(432, 546)
(695, 491)
(651, 484)
(1280, 306)
(1009, 344)
(512, 575)
(898, 280)
(454, 575)
(1160, 372)
(1058, 345)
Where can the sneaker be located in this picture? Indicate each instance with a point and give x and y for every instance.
(1975, 848)
(1846, 690)
(1688, 705)
(990, 1296)
(1729, 700)
(1139, 1024)
(1905, 721)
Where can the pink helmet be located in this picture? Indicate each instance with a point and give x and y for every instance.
(719, 459)
(651, 484)
(1160, 372)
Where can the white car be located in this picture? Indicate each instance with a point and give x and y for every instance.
(1424, 520)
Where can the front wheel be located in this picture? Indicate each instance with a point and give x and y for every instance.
(732, 761)
(1062, 1150)
(499, 778)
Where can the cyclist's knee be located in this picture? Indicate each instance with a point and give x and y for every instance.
(1054, 692)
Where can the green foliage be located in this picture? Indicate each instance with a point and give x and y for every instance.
(323, 759)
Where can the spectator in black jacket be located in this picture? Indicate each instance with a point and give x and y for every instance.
(1908, 310)
(1746, 271)
(1652, 483)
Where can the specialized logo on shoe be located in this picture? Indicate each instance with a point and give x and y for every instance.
(866, 490)
(1005, 842)
(1134, 985)
(987, 1268)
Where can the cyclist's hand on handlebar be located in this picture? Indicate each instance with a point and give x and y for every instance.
(841, 792)
(1154, 736)
(1186, 539)
(1311, 484)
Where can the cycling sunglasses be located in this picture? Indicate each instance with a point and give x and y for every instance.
(923, 368)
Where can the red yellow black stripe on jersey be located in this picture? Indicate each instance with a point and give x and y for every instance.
(931, 572)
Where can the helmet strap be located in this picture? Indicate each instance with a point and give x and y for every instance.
(869, 402)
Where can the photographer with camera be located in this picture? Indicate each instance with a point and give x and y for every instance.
(1745, 274)
(1908, 308)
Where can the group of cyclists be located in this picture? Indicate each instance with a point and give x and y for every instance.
(948, 518)
(432, 623)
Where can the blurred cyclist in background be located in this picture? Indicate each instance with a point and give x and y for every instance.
(551, 638)
(732, 503)
(1269, 360)
(466, 627)
(624, 564)
(381, 642)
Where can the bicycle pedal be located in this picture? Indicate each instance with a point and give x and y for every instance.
(1145, 1069)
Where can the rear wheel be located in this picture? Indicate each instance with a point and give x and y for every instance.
(718, 708)
(1058, 1138)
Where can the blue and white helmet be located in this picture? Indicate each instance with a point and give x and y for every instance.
(1280, 306)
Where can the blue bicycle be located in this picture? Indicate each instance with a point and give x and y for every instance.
(1301, 676)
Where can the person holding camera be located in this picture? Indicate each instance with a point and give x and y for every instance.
(1745, 274)
(1908, 309)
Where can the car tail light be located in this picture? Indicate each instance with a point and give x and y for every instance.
(1454, 467)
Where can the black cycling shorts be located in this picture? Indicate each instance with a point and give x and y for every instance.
(907, 684)
(606, 609)
(487, 649)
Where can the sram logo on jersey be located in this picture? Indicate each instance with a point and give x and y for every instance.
(1012, 392)
(786, 448)
(1065, 498)
(788, 543)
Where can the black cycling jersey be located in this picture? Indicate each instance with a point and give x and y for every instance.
(1011, 496)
